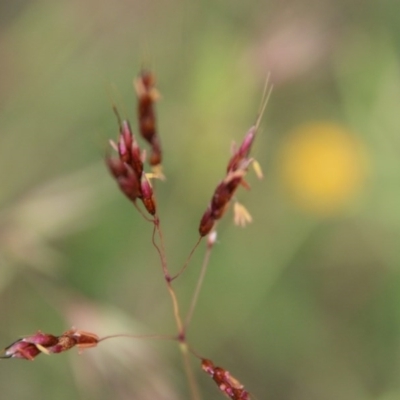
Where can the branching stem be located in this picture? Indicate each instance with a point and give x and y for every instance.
(130, 336)
(195, 394)
(196, 293)
(188, 259)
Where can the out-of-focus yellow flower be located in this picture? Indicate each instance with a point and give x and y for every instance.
(322, 165)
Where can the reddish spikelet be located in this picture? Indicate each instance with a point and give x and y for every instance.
(82, 339)
(136, 159)
(127, 169)
(117, 167)
(147, 196)
(126, 133)
(243, 152)
(144, 85)
(147, 95)
(125, 177)
(207, 222)
(129, 185)
(236, 170)
(155, 155)
(125, 142)
(65, 342)
(223, 194)
(230, 386)
(129, 150)
(220, 200)
(30, 347)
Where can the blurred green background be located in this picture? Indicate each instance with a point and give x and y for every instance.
(304, 303)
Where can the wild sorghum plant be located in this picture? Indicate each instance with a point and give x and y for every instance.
(126, 162)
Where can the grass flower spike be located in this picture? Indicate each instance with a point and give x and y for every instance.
(236, 170)
(127, 167)
(31, 346)
(147, 95)
(230, 386)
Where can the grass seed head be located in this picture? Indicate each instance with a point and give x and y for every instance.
(207, 222)
(148, 196)
(229, 385)
(29, 347)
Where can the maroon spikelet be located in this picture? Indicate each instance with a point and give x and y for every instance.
(230, 386)
(147, 95)
(222, 196)
(30, 347)
(128, 168)
(236, 170)
(147, 196)
(241, 154)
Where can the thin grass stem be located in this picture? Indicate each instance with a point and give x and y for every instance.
(200, 281)
(195, 393)
(187, 260)
(130, 336)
